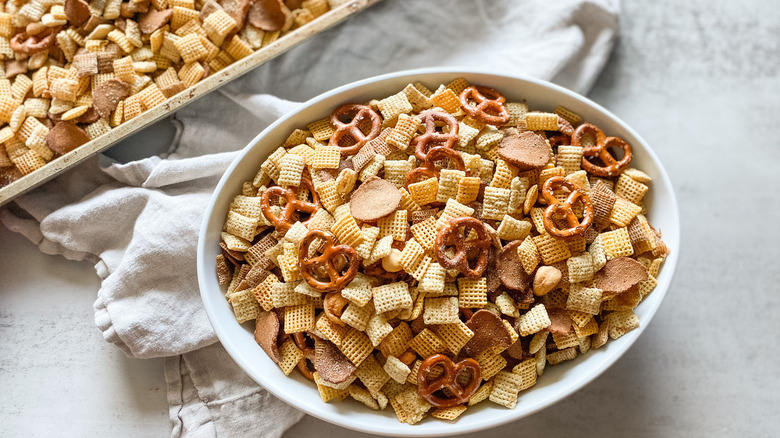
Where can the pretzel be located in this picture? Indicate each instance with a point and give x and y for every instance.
(611, 167)
(559, 139)
(450, 235)
(556, 207)
(432, 138)
(308, 354)
(30, 44)
(428, 167)
(351, 129)
(311, 267)
(292, 205)
(448, 380)
(490, 105)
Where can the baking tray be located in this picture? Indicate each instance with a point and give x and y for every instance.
(238, 68)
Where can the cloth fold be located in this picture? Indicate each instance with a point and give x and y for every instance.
(138, 222)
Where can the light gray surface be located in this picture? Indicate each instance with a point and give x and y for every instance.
(699, 81)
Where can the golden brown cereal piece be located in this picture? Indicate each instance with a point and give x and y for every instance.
(621, 323)
(448, 414)
(580, 268)
(237, 9)
(506, 386)
(533, 321)
(530, 199)
(616, 243)
(245, 306)
(374, 199)
(427, 343)
(562, 356)
(356, 346)
(551, 249)
(328, 393)
(394, 296)
(223, 270)
(584, 299)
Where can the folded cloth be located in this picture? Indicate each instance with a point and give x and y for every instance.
(138, 222)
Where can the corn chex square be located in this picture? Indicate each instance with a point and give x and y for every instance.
(393, 296)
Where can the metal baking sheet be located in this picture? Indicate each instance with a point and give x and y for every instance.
(238, 68)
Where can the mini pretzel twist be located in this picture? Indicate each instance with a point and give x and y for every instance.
(433, 138)
(558, 208)
(559, 140)
(292, 205)
(490, 105)
(308, 354)
(450, 235)
(428, 167)
(30, 44)
(351, 129)
(612, 167)
(312, 266)
(449, 380)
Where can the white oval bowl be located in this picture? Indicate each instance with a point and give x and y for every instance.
(557, 382)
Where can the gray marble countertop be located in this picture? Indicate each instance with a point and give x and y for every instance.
(699, 81)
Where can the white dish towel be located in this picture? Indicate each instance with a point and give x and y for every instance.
(138, 222)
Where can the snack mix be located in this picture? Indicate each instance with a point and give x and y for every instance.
(432, 250)
(72, 69)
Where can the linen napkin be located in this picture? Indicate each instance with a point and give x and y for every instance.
(138, 222)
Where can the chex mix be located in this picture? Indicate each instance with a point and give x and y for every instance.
(72, 70)
(431, 250)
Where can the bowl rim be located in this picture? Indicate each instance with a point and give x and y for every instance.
(586, 375)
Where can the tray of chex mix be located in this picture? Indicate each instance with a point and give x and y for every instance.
(79, 76)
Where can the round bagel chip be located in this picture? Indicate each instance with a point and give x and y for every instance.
(108, 94)
(510, 268)
(517, 350)
(267, 333)
(560, 322)
(620, 275)
(330, 362)
(374, 199)
(153, 20)
(269, 15)
(526, 150)
(77, 11)
(489, 332)
(65, 136)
